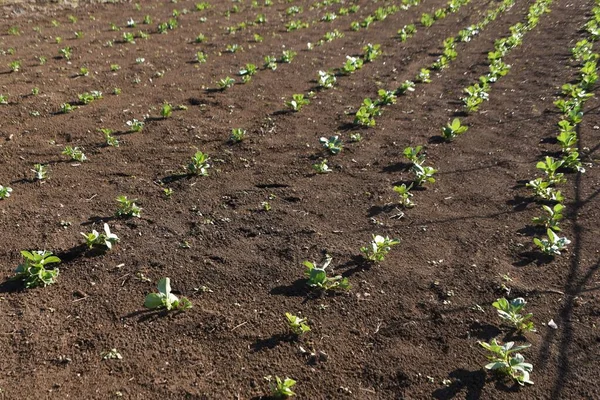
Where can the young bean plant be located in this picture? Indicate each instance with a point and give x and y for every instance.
(553, 244)
(5, 192)
(106, 239)
(33, 271)
(127, 208)
(317, 277)
(378, 248)
(506, 363)
(511, 311)
(552, 217)
(165, 299)
(405, 195)
(281, 388)
(199, 164)
(74, 153)
(453, 129)
(298, 101)
(333, 144)
(297, 325)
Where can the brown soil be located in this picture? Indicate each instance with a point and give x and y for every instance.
(405, 326)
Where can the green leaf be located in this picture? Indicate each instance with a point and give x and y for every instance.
(154, 300)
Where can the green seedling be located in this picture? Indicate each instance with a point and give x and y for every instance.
(298, 101)
(5, 192)
(270, 63)
(281, 388)
(168, 192)
(237, 135)
(66, 108)
(326, 80)
(334, 144)
(15, 66)
(453, 129)
(166, 111)
(572, 161)
(424, 76)
(378, 248)
(201, 57)
(352, 64)
(248, 70)
(567, 138)
(317, 276)
(406, 32)
(371, 52)
(415, 155)
(407, 86)
(199, 164)
(33, 271)
(550, 167)
(544, 190)
(127, 208)
(423, 174)
(3, 99)
(165, 299)
(405, 195)
(553, 244)
(297, 325)
(386, 97)
(321, 167)
(40, 172)
(135, 125)
(106, 239)
(367, 112)
(288, 56)
(506, 363)
(552, 217)
(66, 53)
(511, 312)
(74, 153)
(225, 83)
(109, 138)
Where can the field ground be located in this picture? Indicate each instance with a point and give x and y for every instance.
(409, 326)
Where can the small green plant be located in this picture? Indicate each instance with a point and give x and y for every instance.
(406, 32)
(424, 76)
(511, 312)
(168, 192)
(550, 167)
(74, 153)
(378, 248)
(237, 135)
(135, 125)
(352, 64)
(407, 86)
(297, 325)
(333, 144)
(270, 63)
(423, 174)
(108, 137)
(199, 164)
(281, 388)
(317, 276)
(321, 167)
(248, 70)
(33, 271)
(371, 52)
(15, 66)
(233, 48)
(106, 239)
(66, 108)
(367, 112)
(40, 172)
(427, 20)
(415, 155)
(326, 80)
(386, 97)
(405, 195)
(298, 101)
(165, 299)
(552, 217)
(544, 190)
(5, 192)
(66, 53)
(506, 363)
(553, 244)
(453, 129)
(127, 208)
(225, 83)
(288, 56)
(166, 111)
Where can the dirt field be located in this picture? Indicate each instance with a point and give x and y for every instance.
(233, 242)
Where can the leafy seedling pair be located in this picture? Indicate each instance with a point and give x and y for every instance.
(511, 311)
(33, 271)
(297, 325)
(505, 361)
(127, 208)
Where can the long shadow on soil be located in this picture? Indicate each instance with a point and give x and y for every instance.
(151, 315)
(11, 286)
(462, 380)
(272, 342)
